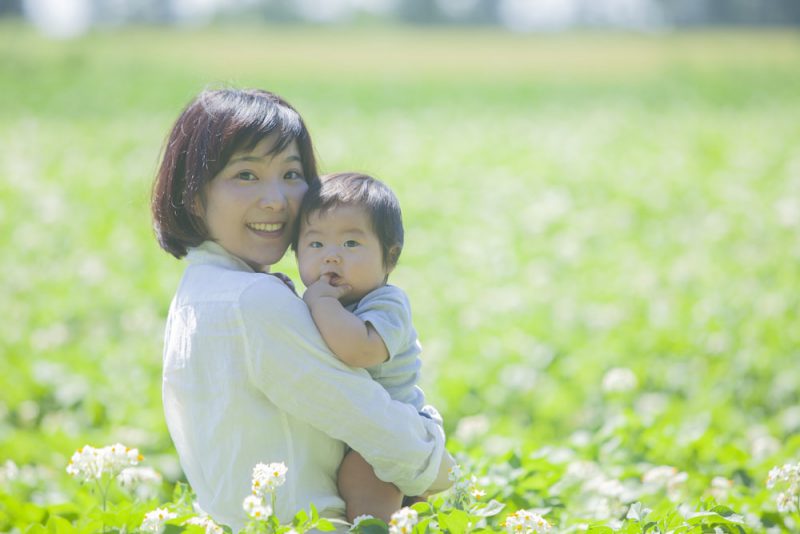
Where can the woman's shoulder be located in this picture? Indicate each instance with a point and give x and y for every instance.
(209, 282)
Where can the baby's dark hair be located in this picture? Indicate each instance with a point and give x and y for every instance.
(355, 189)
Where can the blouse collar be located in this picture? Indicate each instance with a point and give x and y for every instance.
(210, 252)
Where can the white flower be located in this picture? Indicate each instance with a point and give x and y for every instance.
(455, 473)
(8, 472)
(86, 464)
(525, 522)
(403, 521)
(154, 521)
(666, 477)
(133, 476)
(785, 473)
(117, 457)
(268, 477)
(659, 476)
(205, 522)
(787, 502)
(89, 463)
(619, 379)
(477, 493)
(720, 487)
(257, 508)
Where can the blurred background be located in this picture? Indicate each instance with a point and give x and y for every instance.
(63, 18)
(602, 207)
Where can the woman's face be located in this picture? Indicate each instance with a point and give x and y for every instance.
(251, 204)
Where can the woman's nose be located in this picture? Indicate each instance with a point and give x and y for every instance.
(273, 197)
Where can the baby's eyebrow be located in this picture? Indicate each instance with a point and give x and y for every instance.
(358, 231)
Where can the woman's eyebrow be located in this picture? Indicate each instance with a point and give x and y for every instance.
(253, 158)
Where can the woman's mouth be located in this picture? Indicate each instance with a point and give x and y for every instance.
(266, 228)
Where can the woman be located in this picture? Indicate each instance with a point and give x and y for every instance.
(247, 377)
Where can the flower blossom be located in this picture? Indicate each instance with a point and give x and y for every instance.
(787, 501)
(465, 490)
(525, 522)
(207, 523)
(133, 476)
(619, 379)
(268, 477)
(785, 473)
(256, 507)
(665, 476)
(403, 521)
(154, 521)
(455, 473)
(89, 463)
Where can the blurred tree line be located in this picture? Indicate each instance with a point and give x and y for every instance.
(572, 13)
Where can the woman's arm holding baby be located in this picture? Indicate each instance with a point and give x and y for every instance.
(352, 340)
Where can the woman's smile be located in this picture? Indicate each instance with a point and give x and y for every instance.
(268, 229)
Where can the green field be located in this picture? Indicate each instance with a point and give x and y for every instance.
(574, 203)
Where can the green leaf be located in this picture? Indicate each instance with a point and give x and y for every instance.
(373, 526)
(59, 525)
(300, 518)
(325, 525)
(456, 521)
(489, 509)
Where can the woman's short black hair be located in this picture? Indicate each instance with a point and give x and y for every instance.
(355, 189)
(213, 126)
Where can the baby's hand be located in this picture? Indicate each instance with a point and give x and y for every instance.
(286, 280)
(322, 288)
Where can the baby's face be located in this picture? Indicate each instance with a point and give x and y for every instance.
(342, 243)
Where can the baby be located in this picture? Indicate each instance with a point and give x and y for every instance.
(349, 240)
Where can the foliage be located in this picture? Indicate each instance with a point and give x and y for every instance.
(602, 254)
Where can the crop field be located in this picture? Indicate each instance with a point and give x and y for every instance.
(602, 255)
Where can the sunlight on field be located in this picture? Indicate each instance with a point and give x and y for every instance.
(603, 235)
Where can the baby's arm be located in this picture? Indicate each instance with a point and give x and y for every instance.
(353, 341)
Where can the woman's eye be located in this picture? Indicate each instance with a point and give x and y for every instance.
(294, 175)
(350, 243)
(315, 244)
(247, 176)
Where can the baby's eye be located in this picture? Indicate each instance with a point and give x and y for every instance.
(247, 176)
(294, 175)
(350, 243)
(315, 244)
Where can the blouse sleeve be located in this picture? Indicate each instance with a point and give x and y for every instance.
(291, 364)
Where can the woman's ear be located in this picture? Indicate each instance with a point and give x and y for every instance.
(196, 208)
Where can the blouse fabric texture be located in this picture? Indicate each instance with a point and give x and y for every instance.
(388, 311)
(247, 378)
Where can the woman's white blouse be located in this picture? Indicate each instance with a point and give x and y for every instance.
(247, 379)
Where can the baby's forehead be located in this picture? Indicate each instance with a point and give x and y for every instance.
(338, 217)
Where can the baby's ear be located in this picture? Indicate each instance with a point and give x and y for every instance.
(392, 257)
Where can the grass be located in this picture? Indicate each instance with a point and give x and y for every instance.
(574, 203)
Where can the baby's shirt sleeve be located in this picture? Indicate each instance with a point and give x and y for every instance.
(388, 311)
